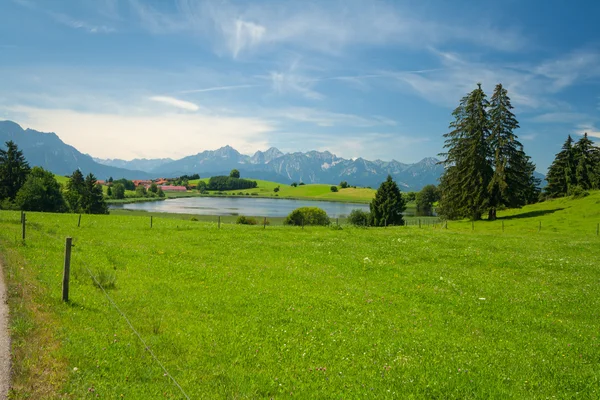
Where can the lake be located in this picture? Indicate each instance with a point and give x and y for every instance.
(257, 207)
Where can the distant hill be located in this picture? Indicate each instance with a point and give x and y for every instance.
(48, 151)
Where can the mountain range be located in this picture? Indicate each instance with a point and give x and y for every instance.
(51, 153)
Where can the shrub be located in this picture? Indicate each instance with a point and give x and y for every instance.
(294, 184)
(301, 184)
(105, 279)
(243, 220)
(276, 189)
(334, 189)
(578, 192)
(359, 218)
(193, 219)
(254, 194)
(307, 216)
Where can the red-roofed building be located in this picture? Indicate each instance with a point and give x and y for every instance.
(166, 188)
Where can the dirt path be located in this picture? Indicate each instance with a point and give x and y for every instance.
(4, 339)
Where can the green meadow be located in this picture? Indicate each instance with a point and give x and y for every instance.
(313, 191)
(503, 309)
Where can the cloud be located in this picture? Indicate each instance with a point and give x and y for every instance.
(65, 19)
(559, 117)
(79, 24)
(219, 88)
(247, 34)
(147, 134)
(330, 119)
(325, 27)
(184, 105)
(531, 86)
(590, 129)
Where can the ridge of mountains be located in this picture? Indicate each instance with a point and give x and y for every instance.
(50, 152)
(309, 167)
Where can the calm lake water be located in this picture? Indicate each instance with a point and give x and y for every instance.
(258, 207)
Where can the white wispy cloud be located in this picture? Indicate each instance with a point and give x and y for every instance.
(219, 88)
(531, 86)
(559, 117)
(590, 129)
(80, 24)
(65, 19)
(172, 101)
(329, 119)
(322, 26)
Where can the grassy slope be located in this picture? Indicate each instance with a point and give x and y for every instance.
(312, 191)
(247, 312)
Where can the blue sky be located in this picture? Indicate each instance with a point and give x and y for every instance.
(377, 79)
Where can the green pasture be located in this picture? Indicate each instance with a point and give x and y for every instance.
(309, 191)
(470, 311)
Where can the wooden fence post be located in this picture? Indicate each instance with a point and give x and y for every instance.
(23, 219)
(151, 222)
(540, 228)
(302, 222)
(79, 221)
(419, 222)
(219, 223)
(265, 223)
(67, 269)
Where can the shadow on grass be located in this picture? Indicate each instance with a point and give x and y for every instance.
(531, 214)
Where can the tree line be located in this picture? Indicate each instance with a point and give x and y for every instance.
(35, 189)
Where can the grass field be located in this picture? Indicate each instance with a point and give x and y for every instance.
(244, 312)
(311, 192)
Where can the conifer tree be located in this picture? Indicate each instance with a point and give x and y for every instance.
(469, 172)
(75, 190)
(13, 170)
(92, 201)
(388, 205)
(587, 158)
(561, 175)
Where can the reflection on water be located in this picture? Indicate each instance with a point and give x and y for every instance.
(240, 206)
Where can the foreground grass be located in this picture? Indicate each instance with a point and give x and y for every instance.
(314, 313)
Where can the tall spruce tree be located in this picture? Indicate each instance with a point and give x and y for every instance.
(466, 180)
(561, 175)
(388, 205)
(75, 190)
(510, 179)
(13, 170)
(587, 158)
(92, 201)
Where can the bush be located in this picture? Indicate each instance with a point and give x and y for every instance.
(344, 184)
(243, 220)
(301, 184)
(276, 189)
(578, 192)
(294, 184)
(105, 279)
(307, 216)
(254, 194)
(359, 218)
(334, 189)
(193, 219)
